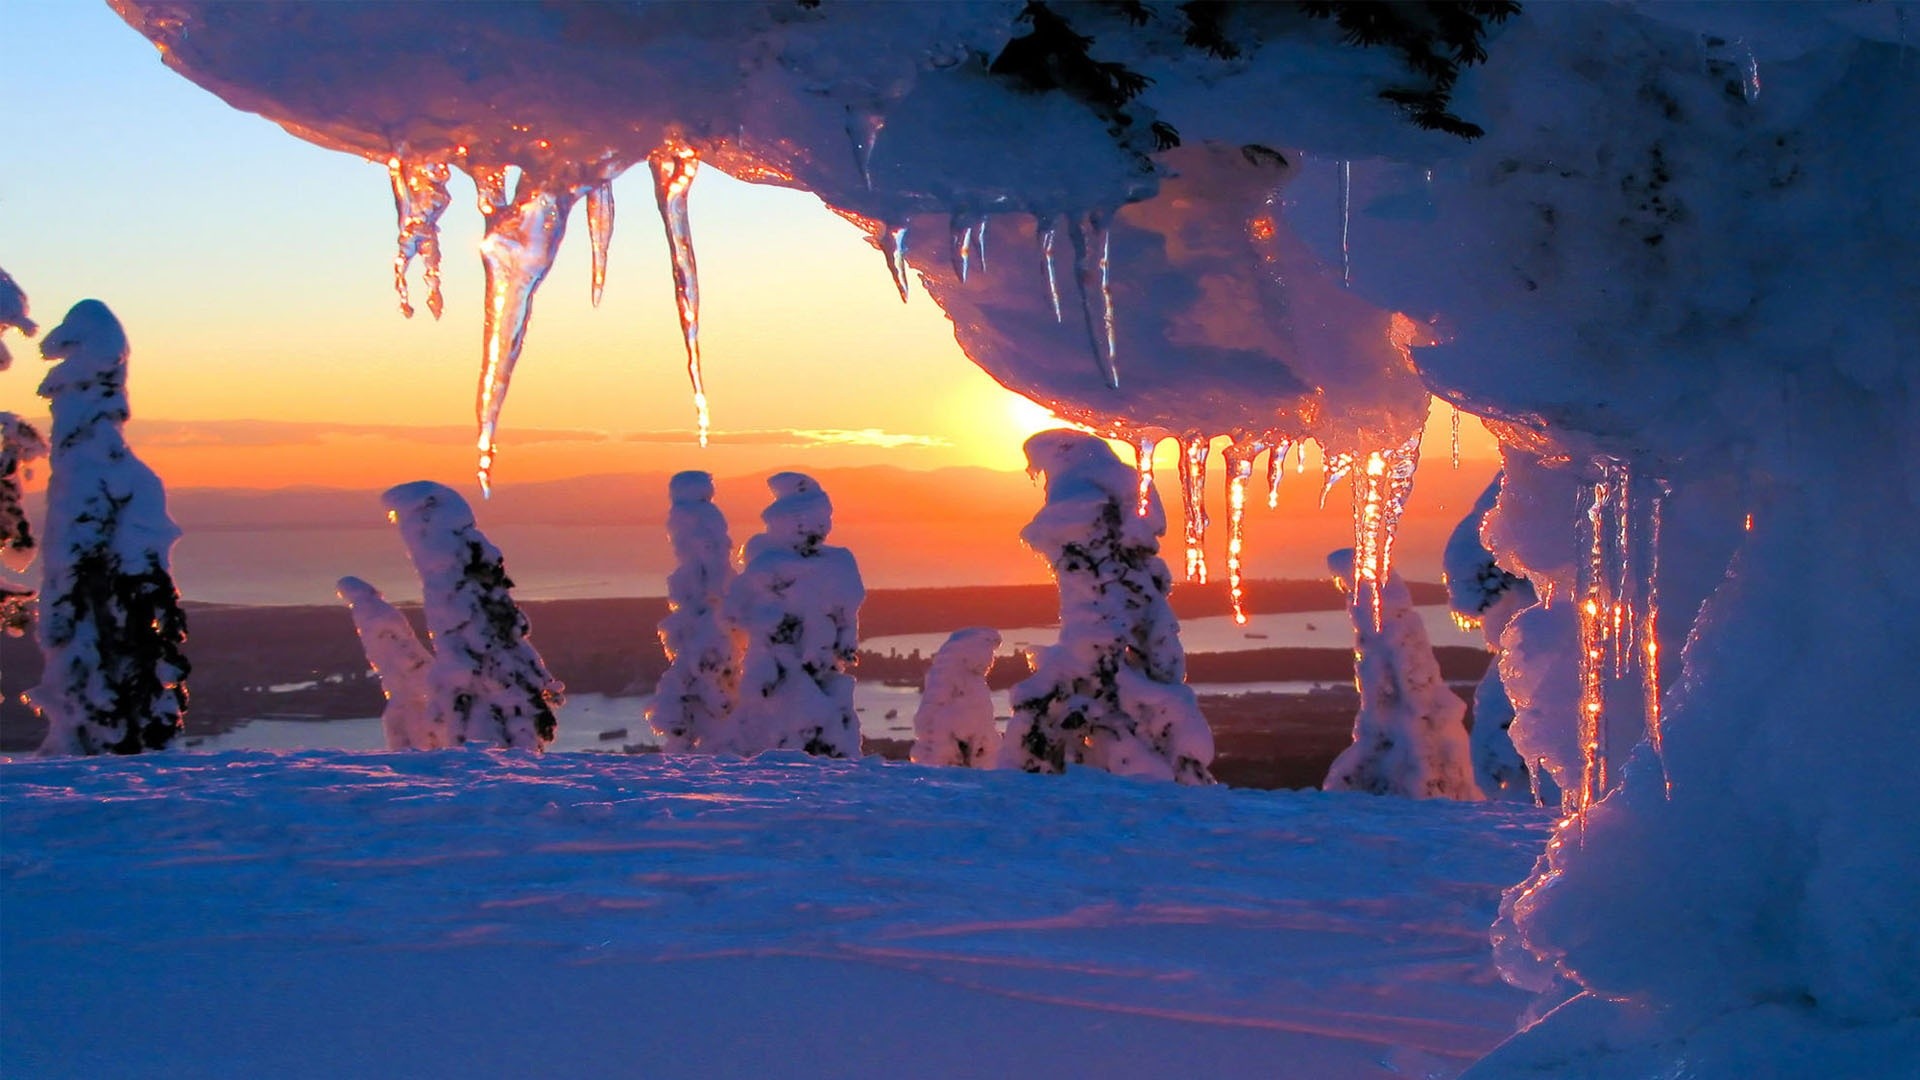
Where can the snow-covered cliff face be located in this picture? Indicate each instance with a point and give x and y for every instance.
(1675, 274)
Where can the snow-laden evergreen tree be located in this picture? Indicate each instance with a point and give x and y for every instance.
(696, 693)
(1409, 737)
(110, 620)
(404, 665)
(487, 686)
(1481, 594)
(797, 604)
(20, 444)
(13, 315)
(1112, 693)
(954, 723)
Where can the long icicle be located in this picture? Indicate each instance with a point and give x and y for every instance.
(1650, 627)
(600, 231)
(1276, 468)
(1346, 223)
(1193, 503)
(1091, 270)
(1239, 457)
(1593, 602)
(960, 245)
(1143, 451)
(674, 168)
(419, 198)
(522, 237)
(893, 241)
(1332, 468)
(1453, 421)
(1046, 229)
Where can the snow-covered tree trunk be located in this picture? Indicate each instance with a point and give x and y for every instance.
(395, 654)
(487, 686)
(1112, 693)
(695, 695)
(20, 444)
(1409, 737)
(797, 605)
(110, 620)
(1481, 594)
(954, 723)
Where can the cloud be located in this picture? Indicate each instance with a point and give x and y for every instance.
(244, 433)
(801, 437)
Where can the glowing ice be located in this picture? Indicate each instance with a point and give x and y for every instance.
(894, 241)
(1276, 468)
(1143, 448)
(419, 198)
(522, 237)
(674, 168)
(1193, 503)
(600, 231)
(1239, 456)
(1046, 228)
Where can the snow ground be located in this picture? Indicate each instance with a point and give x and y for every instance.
(497, 914)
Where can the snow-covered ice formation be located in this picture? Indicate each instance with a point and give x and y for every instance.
(1111, 693)
(404, 666)
(954, 723)
(13, 315)
(696, 694)
(796, 602)
(1409, 737)
(1674, 274)
(488, 685)
(110, 624)
(1481, 594)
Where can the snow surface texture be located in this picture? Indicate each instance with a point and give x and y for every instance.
(110, 620)
(1409, 737)
(1111, 693)
(702, 681)
(487, 686)
(1481, 594)
(954, 723)
(797, 603)
(1124, 930)
(405, 668)
(13, 315)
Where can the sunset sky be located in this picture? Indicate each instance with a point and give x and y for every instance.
(253, 273)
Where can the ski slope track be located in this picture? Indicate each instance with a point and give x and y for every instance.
(499, 914)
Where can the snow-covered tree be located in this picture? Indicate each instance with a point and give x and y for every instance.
(954, 723)
(487, 686)
(797, 604)
(1481, 594)
(395, 654)
(13, 315)
(1112, 693)
(20, 444)
(110, 620)
(1409, 737)
(696, 693)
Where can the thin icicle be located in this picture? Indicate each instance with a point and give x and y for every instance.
(1143, 451)
(1091, 270)
(894, 247)
(1381, 488)
(1193, 502)
(1453, 421)
(980, 241)
(419, 198)
(522, 237)
(600, 230)
(1346, 223)
(1046, 230)
(674, 168)
(1239, 457)
(1300, 462)
(960, 245)
(1592, 574)
(1276, 468)
(1650, 630)
(863, 132)
(1333, 467)
(1749, 72)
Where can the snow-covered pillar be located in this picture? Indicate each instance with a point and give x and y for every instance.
(1481, 594)
(1112, 693)
(487, 686)
(696, 693)
(110, 620)
(797, 604)
(395, 654)
(1409, 737)
(954, 723)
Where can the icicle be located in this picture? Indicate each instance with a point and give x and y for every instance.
(1650, 630)
(419, 198)
(1620, 570)
(863, 131)
(1091, 271)
(980, 241)
(1300, 461)
(674, 168)
(1276, 468)
(1239, 457)
(600, 230)
(894, 246)
(1592, 579)
(1193, 502)
(522, 238)
(1380, 491)
(1143, 450)
(1749, 72)
(1346, 223)
(1453, 422)
(960, 244)
(1046, 230)
(1333, 467)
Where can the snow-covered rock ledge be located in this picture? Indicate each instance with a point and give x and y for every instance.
(495, 914)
